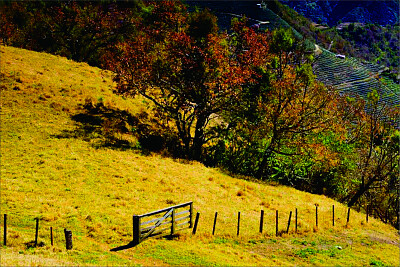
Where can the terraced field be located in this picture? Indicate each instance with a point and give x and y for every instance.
(395, 88)
(352, 76)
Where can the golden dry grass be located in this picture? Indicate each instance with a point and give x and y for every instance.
(69, 183)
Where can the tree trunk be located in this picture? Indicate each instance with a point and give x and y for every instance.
(198, 140)
(264, 162)
(360, 192)
(183, 135)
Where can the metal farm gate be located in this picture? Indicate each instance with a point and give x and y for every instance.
(162, 222)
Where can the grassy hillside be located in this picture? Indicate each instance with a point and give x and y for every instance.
(52, 170)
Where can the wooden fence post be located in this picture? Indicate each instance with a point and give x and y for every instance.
(333, 215)
(5, 230)
(191, 215)
(276, 223)
(367, 211)
(288, 224)
(261, 221)
(238, 226)
(316, 216)
(51, 235)
(296, 221)
(37, 231)
(136, 229)
(68, 239)
(348, 217)
(215, 222)
(173, 222)
(195, 223)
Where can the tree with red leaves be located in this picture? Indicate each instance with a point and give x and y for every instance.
(187, 69)
(78, 30)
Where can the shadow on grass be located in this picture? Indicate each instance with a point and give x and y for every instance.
(127, 246)
(109, 127)
(31, 244)
(133, 244)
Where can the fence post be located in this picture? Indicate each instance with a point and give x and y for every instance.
(333, 215)
(68, 238)
(136, 229)
(191, 215)
(238, 226)
(173, 222)
(5, 230)
(296, 221)
(276, 223)
(316, 216)
(348, 217)
(215, 221)
(195, 223)
(261, 221)
(288, 225)
(37, 231)
(51, 235)
(367, 211)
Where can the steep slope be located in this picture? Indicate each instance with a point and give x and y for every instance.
(347, 75)
(252, 10)
(52, 170)
(353, 76)
(330, 12)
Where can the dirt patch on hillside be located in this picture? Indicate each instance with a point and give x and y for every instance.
(382, 239)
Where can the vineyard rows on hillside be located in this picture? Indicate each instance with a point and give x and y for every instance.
(352, 76)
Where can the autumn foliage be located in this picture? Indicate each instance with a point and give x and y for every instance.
(243, 100)
(78, 30)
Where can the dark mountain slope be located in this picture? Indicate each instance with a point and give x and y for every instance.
(252, 10)
(331, 12)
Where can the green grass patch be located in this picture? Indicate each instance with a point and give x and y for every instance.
(175, 257)
(374, 262)
(306, 252)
